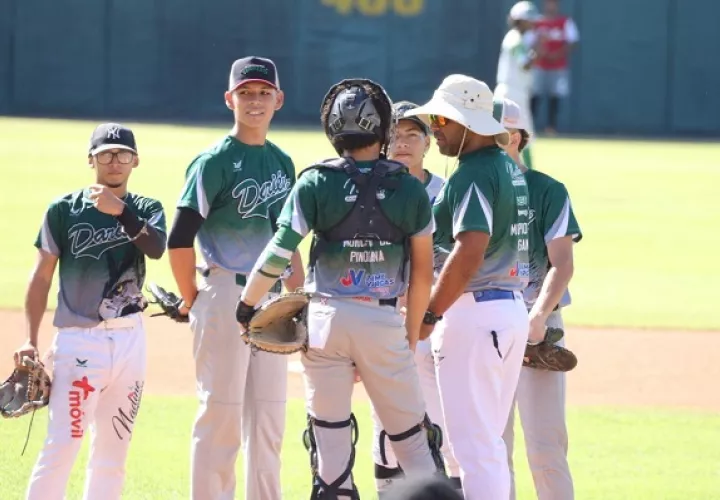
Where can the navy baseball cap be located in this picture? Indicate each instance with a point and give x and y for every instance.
(402, 107)
(112, 136)
(253, 69)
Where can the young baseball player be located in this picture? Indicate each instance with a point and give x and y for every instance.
(411, 144)
(100, 235)
(540, 393)
(514, 76)
(481, 267)
(372, 227)
(231, 200)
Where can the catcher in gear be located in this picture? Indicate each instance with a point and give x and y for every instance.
(100, 236)
(540, 396)
(372, 225)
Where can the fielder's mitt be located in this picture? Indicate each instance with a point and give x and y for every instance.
(548, 356)
(280, 324)
(168, 302)
(27, 389)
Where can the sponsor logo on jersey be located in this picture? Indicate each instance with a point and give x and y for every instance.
(358, 277)
(521, 201)
(521, 270)
(81, 363)
(87, 241)
(531, 217)
(76, 396)
(124, 421)
(255, 199)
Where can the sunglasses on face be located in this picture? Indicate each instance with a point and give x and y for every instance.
(106, 157)
(438, 121)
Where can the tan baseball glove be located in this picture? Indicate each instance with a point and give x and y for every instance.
(279, 325)
(27, 389)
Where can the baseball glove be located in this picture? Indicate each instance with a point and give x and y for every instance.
(27, 389)
(548, 356)
(280, 324)
(168, 302)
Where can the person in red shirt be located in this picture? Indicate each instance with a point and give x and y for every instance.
(557, 34)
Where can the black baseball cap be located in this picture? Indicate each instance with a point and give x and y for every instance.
(402, 107)
(112, 136)
(253, 69)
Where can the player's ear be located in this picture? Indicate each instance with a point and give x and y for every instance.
(136, 161)
(279, 99)
(229, 101)
(427, 144)
(90, 161)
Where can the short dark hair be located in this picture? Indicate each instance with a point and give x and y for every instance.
(525, 139)
(382, 105)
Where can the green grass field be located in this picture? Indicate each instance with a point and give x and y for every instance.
(645, 208)
(615, 454)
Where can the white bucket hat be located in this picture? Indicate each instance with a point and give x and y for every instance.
(468, 102)
(524, 11)
(509, 114)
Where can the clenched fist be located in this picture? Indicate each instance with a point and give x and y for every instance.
(104, 200)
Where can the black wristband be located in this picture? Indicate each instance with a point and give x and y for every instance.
(130, 222)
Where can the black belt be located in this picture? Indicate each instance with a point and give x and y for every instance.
(388, 302)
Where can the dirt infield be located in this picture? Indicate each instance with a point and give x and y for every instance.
(616, 367)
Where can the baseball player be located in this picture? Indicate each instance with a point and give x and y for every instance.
(372, 227)
(231, 200)
(514, 76)
(411, 144)
(481, 267)
(540, 393)
(557, 37)
(100, 235)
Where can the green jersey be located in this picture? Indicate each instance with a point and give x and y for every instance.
(239, 190)
(487, 193)
(97, 259)
(352, 268)
(551, 217)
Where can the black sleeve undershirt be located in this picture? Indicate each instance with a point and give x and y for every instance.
(185, 227)
(151, 244)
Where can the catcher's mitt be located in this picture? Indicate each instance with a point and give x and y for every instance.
(548, 356)
(27, 389)
(280, 324)
(168, 302)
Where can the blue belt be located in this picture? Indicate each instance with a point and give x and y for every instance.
(493, 294)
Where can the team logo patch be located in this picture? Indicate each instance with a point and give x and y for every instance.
(87, 241)
(255, 199)
(358, 277)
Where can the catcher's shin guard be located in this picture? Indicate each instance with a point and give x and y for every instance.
(435, 441)
(322, 490)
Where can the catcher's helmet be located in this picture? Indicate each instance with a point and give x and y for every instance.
(358, 107)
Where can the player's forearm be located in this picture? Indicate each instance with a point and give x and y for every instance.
(149, 241)
(297, 278)
(462, 263)
(271, 264)
(416, 301)
(36, 300)
(553, 288)
(182, 263)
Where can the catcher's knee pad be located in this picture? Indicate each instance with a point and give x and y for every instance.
(331, 491)
(434, 437)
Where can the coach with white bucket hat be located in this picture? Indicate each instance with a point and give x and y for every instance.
(481, 263)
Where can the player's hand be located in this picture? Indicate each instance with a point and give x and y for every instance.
(105, 201)
(426, 331)
(537, 329)
(27, 349)
(357, 378)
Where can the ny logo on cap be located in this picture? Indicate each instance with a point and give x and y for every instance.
(113, 133)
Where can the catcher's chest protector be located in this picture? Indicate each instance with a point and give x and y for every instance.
(366, 220)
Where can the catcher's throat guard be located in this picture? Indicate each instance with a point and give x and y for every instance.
(280, 324)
